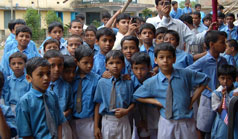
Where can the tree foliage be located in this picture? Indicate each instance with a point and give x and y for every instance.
(33, 20)
(52, 17)
(182, 4)
(146, 13)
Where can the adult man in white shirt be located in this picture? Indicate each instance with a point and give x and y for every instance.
(164, 20)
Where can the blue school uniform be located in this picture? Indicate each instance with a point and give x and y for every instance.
(127, 69)
(63, 44)
(99, 66)
(151, 54)
(14, 88)
(10, 119)
(187, 10)
(136, 82)
(13, 44)
(96, 48)
(231, 34)
(10, 38)
(176, 14)
(219, 128)
(221, 27)
(235, 84)
(183, 59)
(182, 82)
(63, 91)
(201, 27)
(124, 92)
(208, 65)
(31, 117)
(231, 60)
(89, 84)
(5, 59)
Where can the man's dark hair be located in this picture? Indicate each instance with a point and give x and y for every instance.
(164, 47)
(23, 29)
(140, 58)
(115, 54)
(105, 31)
(130, 38)
(83, 51)
(55, 24)
(34, 63)
(18, 55)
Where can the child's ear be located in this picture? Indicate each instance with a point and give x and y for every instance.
(117, 24)
(155, 61)
(29, 78)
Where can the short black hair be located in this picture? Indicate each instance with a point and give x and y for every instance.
(80, 16)
(147, 26)
(19, 21)
(221, 15)
(106, 15)
(207, 17)
(197, 5)
(83, 51)
(55, 24)
(174, 33)
(1, 81)
(220, 7)
(232, 43)
(130, 38)
(34, 63)
(18, 55)
(70, 25)
(11, 25)
(51, 40)
(105, 31)
(174, 2)
(69, 62)
(231, 15)
(213, 36)
(197, 13)
(115, 54)
(122, 16)
(187, 18)
(226, 69)
(140, 58)
(160, 30)
(52, 54)
(23, 29)
(91, 28)
(164, 47)
(76, 36)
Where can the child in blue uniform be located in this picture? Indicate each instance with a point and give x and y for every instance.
(105, 40)
(55, 31)
(73, 42)
(221, 96)
(114, 101)
(146, 116)
(90, 38)
(170, 91)
(69, 69)
(147, 34)
(38, 113)
(12, 43)
(16, 85)
(84, 88)
(183, 59)
(23, 36)
(51, 44)
(231, 52)
(61, 88)
(7, 119)
(129, 46)
(215, 42)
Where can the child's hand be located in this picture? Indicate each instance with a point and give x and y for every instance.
(107, 74)
(235, 94)
(166, 10)
(97, 133)
(126, 77)
(120, 112)
(223, 91)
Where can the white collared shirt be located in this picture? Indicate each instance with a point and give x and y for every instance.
(154, 20)
(117, 44)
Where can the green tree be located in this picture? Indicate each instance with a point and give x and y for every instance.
(182, 4)
(51, 17)
(33, 21)
(96, 23)
(146, 13)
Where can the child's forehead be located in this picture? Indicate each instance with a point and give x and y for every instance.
(90, 32)
(16, 59)
(142, 64)
(74, 39)
(24, 33)
(165, 53)
(56, 28)
(106, 37)
(41, 69)
(56, 60)
(131, 42)
(114, 59)
(77, 24)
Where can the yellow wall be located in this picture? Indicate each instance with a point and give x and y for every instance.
(67, 17)
(43, 23)
(1, 19)
(20, 14)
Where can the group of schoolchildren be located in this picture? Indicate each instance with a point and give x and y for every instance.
(125, 81)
